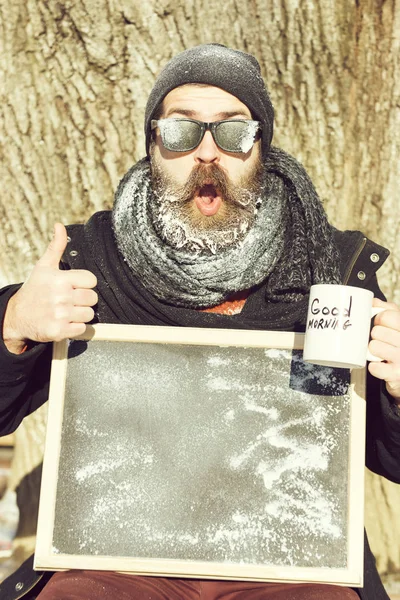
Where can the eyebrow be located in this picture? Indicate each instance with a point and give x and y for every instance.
(219, 116)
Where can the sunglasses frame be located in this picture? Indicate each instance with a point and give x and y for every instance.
(211, 126)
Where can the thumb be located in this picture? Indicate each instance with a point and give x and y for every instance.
(55, 250)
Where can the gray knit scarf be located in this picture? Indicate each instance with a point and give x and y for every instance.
(290, 242)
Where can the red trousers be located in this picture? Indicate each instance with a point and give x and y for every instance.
(103, 585)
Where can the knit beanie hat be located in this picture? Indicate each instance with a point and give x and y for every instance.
(234, 71)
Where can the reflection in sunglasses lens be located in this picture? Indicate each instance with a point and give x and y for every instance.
(182, 135)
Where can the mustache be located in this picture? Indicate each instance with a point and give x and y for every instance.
(214, 175)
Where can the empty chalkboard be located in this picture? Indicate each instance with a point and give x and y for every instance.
(202, 453)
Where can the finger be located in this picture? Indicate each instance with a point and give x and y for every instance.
(84, 297)
(388, 318)
(69, 331)
(386, 334)
(80, 278)
(82, 314)
(383, 304)
(75, 329)
(385, 351)
(385, 371)
(55, 250)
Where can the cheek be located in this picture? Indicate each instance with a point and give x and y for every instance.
(253, 166)
(179, 169)
(236, 168)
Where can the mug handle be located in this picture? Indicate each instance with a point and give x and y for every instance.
(374, 311)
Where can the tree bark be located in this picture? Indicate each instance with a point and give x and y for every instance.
(76, 76)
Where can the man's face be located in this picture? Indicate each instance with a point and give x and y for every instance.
(206, 198)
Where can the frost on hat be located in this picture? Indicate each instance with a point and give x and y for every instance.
(234, 71)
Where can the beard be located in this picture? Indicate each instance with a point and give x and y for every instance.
(180, 224)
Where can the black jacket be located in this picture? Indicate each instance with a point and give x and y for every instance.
(24, 379)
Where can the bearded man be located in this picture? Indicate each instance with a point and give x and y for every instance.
(214, 228)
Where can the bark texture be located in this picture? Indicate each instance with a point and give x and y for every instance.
(75, 78)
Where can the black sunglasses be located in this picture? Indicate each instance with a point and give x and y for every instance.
(231, 135)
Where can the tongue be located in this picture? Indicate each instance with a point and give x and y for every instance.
(207, 201)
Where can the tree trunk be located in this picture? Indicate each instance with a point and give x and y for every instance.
(76, 76)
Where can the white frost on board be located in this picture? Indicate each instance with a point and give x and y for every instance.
(305, 457)
(252, 406)
(105, 466)
(299, 456)
(326, 377)
(218, 361)
(229, 415)
(82, 427)
(276, 353)
(95, 468)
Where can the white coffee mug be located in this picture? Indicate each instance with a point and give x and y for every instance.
(338, 326)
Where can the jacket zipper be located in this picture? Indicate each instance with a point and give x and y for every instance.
(354, 260)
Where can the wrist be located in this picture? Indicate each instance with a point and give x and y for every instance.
(12, 338)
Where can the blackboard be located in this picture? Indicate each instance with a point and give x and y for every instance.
(202, 453)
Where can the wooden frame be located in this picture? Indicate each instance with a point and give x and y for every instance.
(49, 557)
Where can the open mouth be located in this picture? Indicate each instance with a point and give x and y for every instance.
(208, 200)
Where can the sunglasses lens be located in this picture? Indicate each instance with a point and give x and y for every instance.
(236, 136)
(179, 135)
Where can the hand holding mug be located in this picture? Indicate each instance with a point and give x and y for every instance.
(385, 344)
(338, 330)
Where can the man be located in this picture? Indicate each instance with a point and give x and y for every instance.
(215, 228)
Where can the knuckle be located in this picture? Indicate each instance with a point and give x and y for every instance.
(62, 280)
(61, 312)
(58, 282)
(60, 292)
(382, 319)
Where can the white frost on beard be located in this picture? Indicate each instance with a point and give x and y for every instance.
(180, 233)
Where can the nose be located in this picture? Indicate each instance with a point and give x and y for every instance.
(207, 151)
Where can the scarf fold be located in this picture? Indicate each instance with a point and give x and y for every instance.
(310, 255)
(290, 244)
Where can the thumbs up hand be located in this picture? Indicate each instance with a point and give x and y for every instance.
(52, 304)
